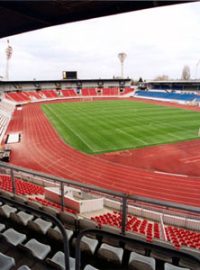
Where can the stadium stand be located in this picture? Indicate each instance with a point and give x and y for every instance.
(17, 96)
(68, 93)
(6, 111)
(88, 92)
(33, 250)
(126, 91)
(150, 229)
(167, 96)
(23, 230)
(22, 188)
(49, 93)
(36, 96)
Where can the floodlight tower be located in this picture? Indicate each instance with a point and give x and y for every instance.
(196, 72)
(8, 52)
(122, 56)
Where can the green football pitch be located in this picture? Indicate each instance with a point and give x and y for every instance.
(106, 126)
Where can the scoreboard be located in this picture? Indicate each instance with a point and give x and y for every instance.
(68, 75)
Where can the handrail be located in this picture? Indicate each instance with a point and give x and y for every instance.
(124, 238)
(50, 217)
(102, 190)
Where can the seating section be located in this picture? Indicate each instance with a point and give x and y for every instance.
(6, 262)
(58, 261)
(22, 187)
(37, 249)
(17, 96)
(126, 91)
(166, 95)
(24, 267)
(177, 236)
(40, 225)
(42, 247)
(13, 237)
(110, 253)
(51, 204)
(150, 229)
(68, 93)
(7, 210)
(89, 92)
(6, 110)
(49, 93)
(21, 217)
(4, 120)
(138, 261)
(90, 267)
(110, 91)
(182, 237)
(34, 96)
(173, 267)
(134, 224)
(55, 234)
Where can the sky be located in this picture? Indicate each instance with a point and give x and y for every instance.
(156, 41)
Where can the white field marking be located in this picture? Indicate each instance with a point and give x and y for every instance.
(173, 174)
(170, 134)
(192, 161)
(196, 157)
(75, 133)
(53, 163)
(145, 130)
(132, 136)
(81, 138)
(190, 158)
(108, 149)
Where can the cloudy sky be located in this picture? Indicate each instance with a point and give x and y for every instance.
(157, 41)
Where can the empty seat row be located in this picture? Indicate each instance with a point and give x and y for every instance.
(22, 187)
(104, 250)
(27, 96)
(182, 237)
(134, 224)
(46, 202)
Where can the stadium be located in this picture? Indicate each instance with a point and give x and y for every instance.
(97, 173)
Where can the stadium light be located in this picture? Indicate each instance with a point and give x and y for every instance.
(196, 71)
(8, 52)
(122, 56)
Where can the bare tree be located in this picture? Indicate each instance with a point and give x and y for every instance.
(185, 73)
(162, 78)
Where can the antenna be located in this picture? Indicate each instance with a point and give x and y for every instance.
(122, 56)
(8, 52)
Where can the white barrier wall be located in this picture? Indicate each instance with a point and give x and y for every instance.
(156, 216)
(74, 199)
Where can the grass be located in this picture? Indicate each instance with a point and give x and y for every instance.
(106, 126)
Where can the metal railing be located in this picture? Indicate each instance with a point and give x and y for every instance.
(122, 198)
(15, 171)
(50, 217)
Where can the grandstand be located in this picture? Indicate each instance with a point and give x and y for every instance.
(61, 208)
(165, 96)
(172, 225)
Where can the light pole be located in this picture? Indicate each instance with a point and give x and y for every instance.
(8, 52)
(122, 56)
(196, 71)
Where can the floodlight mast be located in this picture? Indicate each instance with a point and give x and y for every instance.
(196, 72)
(122, 56)
(9, 51)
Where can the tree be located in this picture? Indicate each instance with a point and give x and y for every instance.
(140, 80)
(162, 78)
(185, 73)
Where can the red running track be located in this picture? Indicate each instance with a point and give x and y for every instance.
(42, 149)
